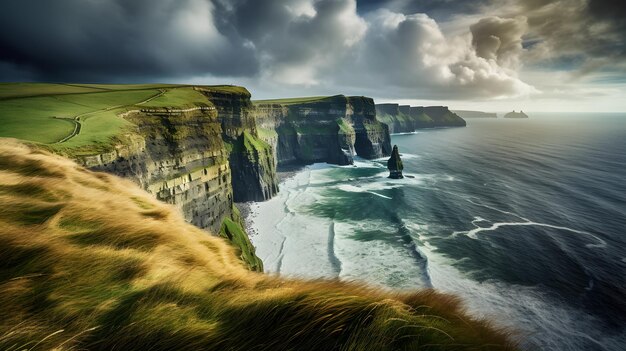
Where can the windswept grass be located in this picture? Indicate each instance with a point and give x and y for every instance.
(91, 262)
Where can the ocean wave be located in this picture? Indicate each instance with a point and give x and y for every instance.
(332, 257)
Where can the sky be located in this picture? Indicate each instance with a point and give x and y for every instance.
(491, 55)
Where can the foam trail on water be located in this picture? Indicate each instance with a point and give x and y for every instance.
(381, 195)
(526, 222)
(473, 232)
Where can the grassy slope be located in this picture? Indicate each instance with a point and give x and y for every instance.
(126, 272)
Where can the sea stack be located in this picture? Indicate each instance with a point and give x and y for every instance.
(394, 164)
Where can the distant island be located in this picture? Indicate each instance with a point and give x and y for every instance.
(475, 114)
(514, 114)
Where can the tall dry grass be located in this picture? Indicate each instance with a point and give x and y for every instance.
(89, 261)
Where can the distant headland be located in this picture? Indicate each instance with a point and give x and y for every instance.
(475, 114)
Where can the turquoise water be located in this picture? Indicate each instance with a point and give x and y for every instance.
(524, 219)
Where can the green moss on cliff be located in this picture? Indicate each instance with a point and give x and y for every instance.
(233, 230)
(344, 127)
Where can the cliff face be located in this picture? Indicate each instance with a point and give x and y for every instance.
(332, 130)
(406, 119)
(180, 157)
(199, 159)
(251, 159)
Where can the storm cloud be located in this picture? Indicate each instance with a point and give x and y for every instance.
(311, 45)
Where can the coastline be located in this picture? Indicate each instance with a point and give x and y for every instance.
(249, 209)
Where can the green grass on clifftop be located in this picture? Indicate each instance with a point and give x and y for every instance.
(84, 118)
(180, 98)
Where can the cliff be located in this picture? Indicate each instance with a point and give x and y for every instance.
(475, 114)
(251, 159)
(200, 159)
(514, 114)
(406, 119)
(92, 262)
(327, 129)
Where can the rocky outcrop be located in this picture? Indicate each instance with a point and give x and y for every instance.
(475, 114)
(406, 119)
(394, 164)
(514, 114)
(200, 159)
(332, 129)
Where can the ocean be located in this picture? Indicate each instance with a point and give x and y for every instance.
(525, 220)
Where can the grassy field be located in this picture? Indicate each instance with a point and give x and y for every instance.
(92, 262)
(51, 114)
(181, 97)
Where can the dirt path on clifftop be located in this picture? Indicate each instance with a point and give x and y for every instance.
(76, 119)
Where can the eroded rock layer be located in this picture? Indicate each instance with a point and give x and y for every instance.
(200, 159)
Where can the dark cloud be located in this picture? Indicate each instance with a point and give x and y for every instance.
(105, 40)
(588, 33)
(499, 39)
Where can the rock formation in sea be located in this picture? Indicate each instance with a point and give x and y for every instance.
(394, 164)
(514, 114)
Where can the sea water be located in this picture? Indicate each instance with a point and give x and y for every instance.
(525, 220)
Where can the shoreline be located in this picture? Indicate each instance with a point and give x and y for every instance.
(247, 210)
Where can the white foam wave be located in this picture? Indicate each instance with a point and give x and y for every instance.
(473, 233)
(403, 156)
(378, 262)
(405, 133)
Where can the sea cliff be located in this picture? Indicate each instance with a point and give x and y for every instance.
(201, 159)
(327, 129)
(406, 119)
